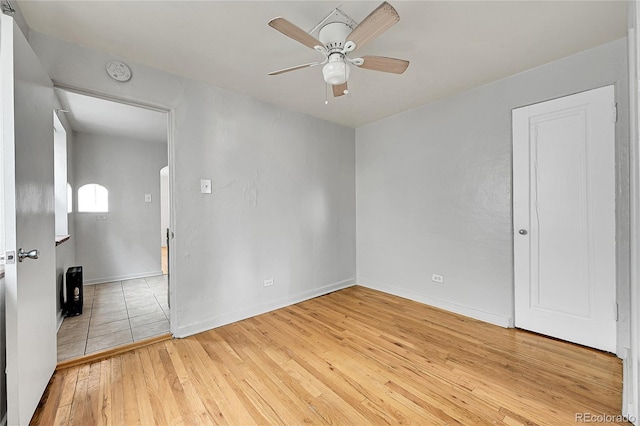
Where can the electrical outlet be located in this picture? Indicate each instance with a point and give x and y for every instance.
(437, 278)
(147, 198)
(268, 283)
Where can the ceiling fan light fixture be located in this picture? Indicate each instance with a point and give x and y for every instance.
(338, 36)
(336, 73)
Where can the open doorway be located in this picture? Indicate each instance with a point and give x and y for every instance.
(115, 151)
(165, 214)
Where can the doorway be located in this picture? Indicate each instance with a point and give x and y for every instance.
(165, 218)
(115, 152)
(564, 218)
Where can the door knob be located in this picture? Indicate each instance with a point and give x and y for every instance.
(522, 232)
(31, 254)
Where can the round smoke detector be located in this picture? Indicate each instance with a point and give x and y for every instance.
(118, 71)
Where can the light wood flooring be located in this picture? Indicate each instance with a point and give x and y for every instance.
(353, 357)
(164, 259)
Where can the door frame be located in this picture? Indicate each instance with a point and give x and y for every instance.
(631, 365)
(173, 273)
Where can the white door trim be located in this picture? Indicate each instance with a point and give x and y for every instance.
(171, 154)
(631, 373)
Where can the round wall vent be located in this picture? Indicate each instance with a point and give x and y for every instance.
(118, 71)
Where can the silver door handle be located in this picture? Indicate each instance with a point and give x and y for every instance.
(522, 232)
(31, 254)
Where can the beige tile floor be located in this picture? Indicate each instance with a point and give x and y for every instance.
(115, 314)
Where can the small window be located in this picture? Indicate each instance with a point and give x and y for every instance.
(60, 176)
(93, 198)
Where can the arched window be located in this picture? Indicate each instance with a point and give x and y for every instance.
(93, 198)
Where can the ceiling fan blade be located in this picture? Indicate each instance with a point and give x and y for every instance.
(297, 67)
(380, 63)
(294, 32)
(378, 21)
(338, 90)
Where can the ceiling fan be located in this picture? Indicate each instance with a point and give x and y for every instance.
(337, 39)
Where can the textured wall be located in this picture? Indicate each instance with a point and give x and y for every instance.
(434, 189)
(283, 202)
(125, 245)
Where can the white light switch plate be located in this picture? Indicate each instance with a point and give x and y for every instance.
(205, 186)
(147, 198)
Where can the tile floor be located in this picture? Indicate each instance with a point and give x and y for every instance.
(115, 314)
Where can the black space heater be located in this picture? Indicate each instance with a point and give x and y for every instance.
(73, 303)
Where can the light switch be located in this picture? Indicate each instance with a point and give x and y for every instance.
(147, 198)
(205, 186)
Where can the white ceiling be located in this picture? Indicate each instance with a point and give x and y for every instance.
(92, 115)
(452, 45)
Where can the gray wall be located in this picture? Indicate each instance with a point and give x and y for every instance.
(434, 189)
(283, 202)
(125, 245)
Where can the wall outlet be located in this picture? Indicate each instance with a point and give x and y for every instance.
(268, 283)
(147, 198)
(437, 278)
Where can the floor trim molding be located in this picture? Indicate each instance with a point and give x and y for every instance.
(122, 277)
(98, 356)
(468, 311)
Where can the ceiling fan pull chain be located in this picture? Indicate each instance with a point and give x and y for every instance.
(326, 96)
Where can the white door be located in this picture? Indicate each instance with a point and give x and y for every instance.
(30, 288)
(564, 218)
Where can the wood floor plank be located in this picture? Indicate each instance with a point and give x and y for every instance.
(104, 393)
(164, 393)
(176, 386)
(356, 356)
(117, 391)
(130, 406)
(180, 358)
(78, 405)
(164, 409)
(216, 403)
(57, 400)
(92, 405)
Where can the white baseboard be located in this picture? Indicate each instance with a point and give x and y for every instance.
(122, 277)
(231, 317)
(468, 311)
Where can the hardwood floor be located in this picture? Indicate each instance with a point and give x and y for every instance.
(164, 260)
(352, 357)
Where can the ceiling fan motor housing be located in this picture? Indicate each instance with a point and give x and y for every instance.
(334, 36)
